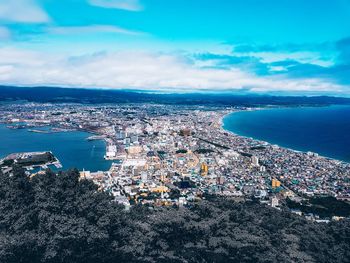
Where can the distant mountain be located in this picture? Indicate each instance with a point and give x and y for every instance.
(96, 96)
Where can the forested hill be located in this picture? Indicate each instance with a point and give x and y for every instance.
(57, 218)
(97, 96)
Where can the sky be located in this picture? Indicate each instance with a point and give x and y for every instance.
(243, 46)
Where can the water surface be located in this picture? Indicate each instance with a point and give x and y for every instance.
(71, 148)
(325, 130)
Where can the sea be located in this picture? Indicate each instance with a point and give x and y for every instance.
(71, 148)
(323, 130)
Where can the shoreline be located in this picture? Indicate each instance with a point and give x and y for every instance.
(87, 133)
(221, 122)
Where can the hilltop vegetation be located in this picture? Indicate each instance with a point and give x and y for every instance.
(57, 218)
(97, 96)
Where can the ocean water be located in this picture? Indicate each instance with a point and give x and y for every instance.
(71, 148)
(324, 130)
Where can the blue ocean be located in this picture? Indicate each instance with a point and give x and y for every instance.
(71, 148)
(324, 130)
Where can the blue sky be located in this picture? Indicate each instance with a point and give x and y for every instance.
(264, 46)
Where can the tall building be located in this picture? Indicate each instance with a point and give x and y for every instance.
(255, 160)
(274, 201)
(204, 169)
(262, 168)
(275, 183)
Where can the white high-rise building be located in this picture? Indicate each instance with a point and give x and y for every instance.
(255, 160)
(144, 177)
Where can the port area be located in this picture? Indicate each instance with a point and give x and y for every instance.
(38, 128)
(51, 130)
(112, 151)
(111, 147)
(29, 161)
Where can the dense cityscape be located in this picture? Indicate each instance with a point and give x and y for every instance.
(178, 155)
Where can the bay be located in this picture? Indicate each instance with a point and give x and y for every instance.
(71, 148)
(324, 130)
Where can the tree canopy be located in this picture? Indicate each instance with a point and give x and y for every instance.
(59, 218)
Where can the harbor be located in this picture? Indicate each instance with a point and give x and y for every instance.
(71, 148)
(30, 160)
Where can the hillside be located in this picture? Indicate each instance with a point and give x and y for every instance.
(57, 218)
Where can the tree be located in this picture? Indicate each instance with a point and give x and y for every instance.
(56, 217)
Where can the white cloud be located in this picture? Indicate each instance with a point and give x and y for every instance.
(130, 5)
(140, 70)
(21, 58)
(73, 30)
(23, 11)
(307, 57)
(5, 34)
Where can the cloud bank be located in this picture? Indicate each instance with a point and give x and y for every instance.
(144, 71)
(264, 67)
(91, 29)
(22, 11)
(5, 34)
(129, 5)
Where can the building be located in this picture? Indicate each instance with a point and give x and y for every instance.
(204, 169)
(134, 163)
(185, 132)
(134, 138)
(221, 180)
(255, 160)
(121, 135)
(111, 152)
(134, 149)
(275, 183)
(144, 177)
(274, 201)
(85, 175)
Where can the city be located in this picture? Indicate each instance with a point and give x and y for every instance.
(177, 131)
(177, 155)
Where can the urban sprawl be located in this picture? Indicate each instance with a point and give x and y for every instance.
(167, 155)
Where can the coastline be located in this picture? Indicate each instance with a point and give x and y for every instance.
(225, 115)
(64, 155)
